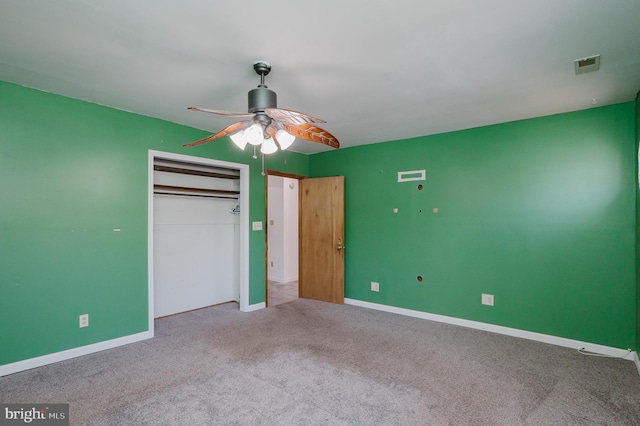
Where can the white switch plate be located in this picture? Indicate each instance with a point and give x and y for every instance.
(375, 286)
(83, 320)
(257, 226)
(487, 299)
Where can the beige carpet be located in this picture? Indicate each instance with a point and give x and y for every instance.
(313, 363)
(282, 292)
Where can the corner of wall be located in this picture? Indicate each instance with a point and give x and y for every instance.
(637, 230)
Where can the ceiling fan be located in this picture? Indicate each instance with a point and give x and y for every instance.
(269, 126)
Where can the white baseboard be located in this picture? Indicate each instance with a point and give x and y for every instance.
(545, 338)
(71, 353)
(255, 307)
(539, 337)
(28, 364)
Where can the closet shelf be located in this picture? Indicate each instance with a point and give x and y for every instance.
(182, 171)
(184, 190)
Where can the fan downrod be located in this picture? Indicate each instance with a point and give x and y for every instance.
(262, 98)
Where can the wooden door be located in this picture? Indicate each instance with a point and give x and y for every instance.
(321, 263)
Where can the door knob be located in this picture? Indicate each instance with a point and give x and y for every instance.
(339, 246)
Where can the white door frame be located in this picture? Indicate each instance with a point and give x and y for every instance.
(244, 221)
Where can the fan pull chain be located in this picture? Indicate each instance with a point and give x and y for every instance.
(255, 157)
(263, 173)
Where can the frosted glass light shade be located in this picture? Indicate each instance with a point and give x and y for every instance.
(239, 139)
(253, 134)
(268, 146)
(284, 139)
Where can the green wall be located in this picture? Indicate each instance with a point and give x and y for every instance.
(539, 213)
(637, 185)
(72, 171)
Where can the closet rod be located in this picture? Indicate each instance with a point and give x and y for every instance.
(196, 190)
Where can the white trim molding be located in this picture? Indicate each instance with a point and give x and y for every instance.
(28, 364)
(254, 307)
(244, 220)
(529, 335)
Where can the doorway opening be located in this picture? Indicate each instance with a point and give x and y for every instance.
(175, 183)
(281, 237)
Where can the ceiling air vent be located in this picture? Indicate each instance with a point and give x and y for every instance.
(588, 64)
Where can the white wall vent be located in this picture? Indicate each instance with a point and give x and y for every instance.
(588, 64)
(412, 175)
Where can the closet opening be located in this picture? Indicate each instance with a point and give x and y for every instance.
(198, 233)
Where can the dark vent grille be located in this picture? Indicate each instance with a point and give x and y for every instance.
(589, 64)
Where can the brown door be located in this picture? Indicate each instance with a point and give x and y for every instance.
(321, 236)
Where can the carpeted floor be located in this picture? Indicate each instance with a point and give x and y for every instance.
(307, 363)
(282, 292)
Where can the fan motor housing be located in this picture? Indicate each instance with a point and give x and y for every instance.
(262, 98)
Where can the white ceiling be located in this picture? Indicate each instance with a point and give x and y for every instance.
(376, 70)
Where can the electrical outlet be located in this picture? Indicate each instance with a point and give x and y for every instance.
(83, 320)
(375, 286)
(487, 299)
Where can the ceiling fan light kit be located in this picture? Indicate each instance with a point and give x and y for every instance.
(239, 139)
(285, 139)
(268, 126)
(268, 146)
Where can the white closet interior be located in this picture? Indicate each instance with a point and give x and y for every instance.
(196, 236)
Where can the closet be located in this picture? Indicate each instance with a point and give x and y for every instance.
(195, 236)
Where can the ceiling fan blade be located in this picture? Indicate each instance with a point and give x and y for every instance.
(230, 129)
(292, 117)
(220, 112)
(312, 133)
